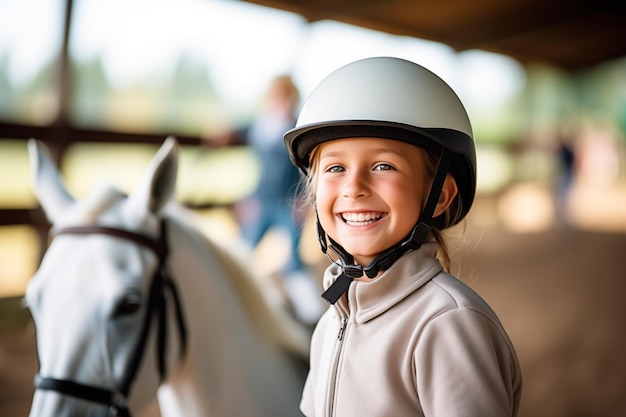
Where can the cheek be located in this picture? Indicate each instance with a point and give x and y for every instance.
(325, 197)
(405, 199)
(322, 197)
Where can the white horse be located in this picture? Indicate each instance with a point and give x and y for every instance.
(131, 301)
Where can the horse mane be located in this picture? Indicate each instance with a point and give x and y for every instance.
(281, 328)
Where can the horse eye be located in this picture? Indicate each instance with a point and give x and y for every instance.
(128, 305)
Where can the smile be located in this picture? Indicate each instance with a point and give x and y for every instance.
(361, 219)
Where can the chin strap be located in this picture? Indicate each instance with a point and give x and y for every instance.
(413, 241)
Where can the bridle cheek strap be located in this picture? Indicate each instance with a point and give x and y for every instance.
(116, 399)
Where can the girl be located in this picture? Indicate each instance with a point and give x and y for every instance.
(388, 151)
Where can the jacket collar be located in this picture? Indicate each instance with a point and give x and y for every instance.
(368, 299)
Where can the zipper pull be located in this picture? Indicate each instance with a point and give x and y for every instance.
(342, 329)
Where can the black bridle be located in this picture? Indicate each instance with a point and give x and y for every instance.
(116, 398)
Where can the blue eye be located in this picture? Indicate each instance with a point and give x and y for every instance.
(335, 168)
(383, 167)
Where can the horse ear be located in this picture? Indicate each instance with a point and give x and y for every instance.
(157, 186)
(47, 182)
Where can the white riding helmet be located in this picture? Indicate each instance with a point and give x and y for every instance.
(394, 99)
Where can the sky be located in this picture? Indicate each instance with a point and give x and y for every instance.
(244, 46)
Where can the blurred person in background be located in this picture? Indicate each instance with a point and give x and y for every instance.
(273, 204)
(566, 155)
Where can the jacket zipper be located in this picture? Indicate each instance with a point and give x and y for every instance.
(342, 329)
(332, 383)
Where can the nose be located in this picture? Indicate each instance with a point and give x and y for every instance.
(356, 185)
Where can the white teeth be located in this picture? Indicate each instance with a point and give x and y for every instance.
(361, 219)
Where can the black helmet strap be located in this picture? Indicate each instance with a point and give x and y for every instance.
(384, 260)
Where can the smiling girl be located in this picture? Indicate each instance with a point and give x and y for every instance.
(389, 154)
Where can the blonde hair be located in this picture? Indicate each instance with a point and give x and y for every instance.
(282, 89)
(442, 222)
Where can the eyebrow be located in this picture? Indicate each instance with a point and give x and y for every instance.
(331, 154)
(377, 151)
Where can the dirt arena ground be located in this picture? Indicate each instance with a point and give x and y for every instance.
(558, 292)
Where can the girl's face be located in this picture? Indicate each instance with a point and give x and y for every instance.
(369, 193)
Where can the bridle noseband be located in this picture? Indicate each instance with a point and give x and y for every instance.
(116, 398)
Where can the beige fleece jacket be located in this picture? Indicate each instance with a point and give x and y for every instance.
(414, 342)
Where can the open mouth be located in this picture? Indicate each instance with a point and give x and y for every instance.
(361, 219)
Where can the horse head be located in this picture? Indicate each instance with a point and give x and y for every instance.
(98, 297)
(123, 282)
